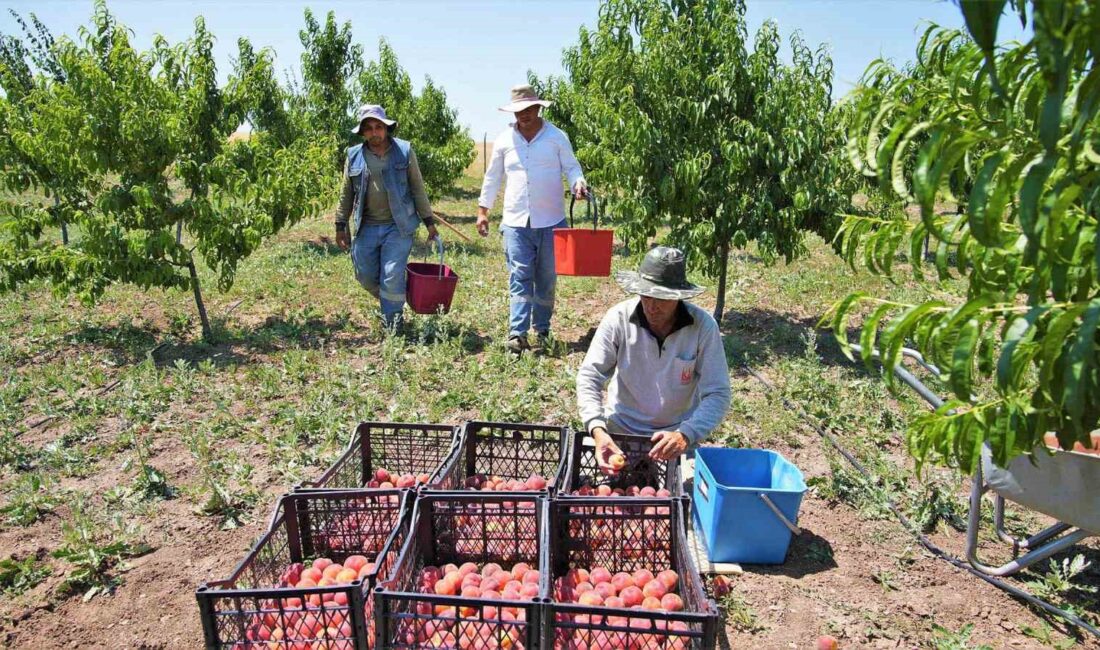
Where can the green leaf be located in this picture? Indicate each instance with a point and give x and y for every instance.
(962, 360)
(981, 18)
(1080, 379)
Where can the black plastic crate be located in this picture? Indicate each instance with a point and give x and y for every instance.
(640, 469)
(623, 535)
(510, 451)
(398, 447)
(457, 528)
(257, 603)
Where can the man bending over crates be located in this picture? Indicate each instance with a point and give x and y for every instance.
(385, 197)
(662, 361)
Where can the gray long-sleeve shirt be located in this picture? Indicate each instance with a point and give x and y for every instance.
(681, 385)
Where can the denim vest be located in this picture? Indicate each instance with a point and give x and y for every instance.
(396, 181)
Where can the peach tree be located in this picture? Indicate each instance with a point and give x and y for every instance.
(1010, 135)
(136, 147)
(689, 126)
(443, 147)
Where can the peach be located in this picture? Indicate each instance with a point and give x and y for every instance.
(489, 569)
(347, 575)
(672, 603)
(590, 598)
(621, 581)
(381, 475)
(654, 588)
(529, 591)
(651, 603)
(321, 563)
(531, 577)
(332, 570)
(449, 568)
(631, 596)
(355, 562)
(603, 491)
(520, 568)
(583, 587)
(617, 461)
(468, 567)
(598, 575)
(642, 576)
(312, 574)
(605, 590)
(827, 642)
(615, 602)
(669, 578)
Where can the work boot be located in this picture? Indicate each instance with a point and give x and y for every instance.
(542, 340)
(517, 344)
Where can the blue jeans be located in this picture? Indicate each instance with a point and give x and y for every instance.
(529, 253)
(379, 254)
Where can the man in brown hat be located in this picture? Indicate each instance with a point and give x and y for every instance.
(662, 361)
(532, 155)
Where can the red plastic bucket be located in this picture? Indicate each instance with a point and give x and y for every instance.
(430, 288)
(583, 251)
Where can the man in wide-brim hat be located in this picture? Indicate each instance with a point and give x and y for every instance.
(383, 202)
(662, 361)
(532, 155)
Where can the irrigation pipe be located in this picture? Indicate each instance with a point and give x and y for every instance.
(908, 525)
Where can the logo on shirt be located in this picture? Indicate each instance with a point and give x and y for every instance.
(685, 376)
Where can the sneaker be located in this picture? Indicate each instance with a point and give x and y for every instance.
(517, 344)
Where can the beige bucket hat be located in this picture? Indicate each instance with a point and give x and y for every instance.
(523, 96)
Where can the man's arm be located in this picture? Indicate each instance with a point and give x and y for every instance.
(595, 371)
(343, 209)
(569, 164)
(419, 191)
(714, 388)
(599, 364)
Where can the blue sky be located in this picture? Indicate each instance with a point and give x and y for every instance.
(477, 50)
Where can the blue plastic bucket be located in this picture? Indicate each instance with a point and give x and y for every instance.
(746, 503)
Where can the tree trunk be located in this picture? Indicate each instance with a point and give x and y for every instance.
(64, 226)
(207, 333)
(720, 303)
(179, 233)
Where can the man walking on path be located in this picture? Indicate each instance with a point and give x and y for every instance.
(532, 155)
(385, 197)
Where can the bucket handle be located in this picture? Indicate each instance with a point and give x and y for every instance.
(795, 530)
(592, 209)
(438, 242)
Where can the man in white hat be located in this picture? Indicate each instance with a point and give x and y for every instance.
(532, 155)
(662, 361)
(385, 198)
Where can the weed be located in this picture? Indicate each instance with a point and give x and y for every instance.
(1058, 581)
(29, 499)
(220, 472)
(886, 579)
(149, 482)
(945, 639)
(739, 613)
(1045, 634)
(96, 550)
(936, 503)
(19, 576)
(845, 485)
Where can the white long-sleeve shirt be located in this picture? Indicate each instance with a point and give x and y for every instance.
(682, 384)
(533, 195)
